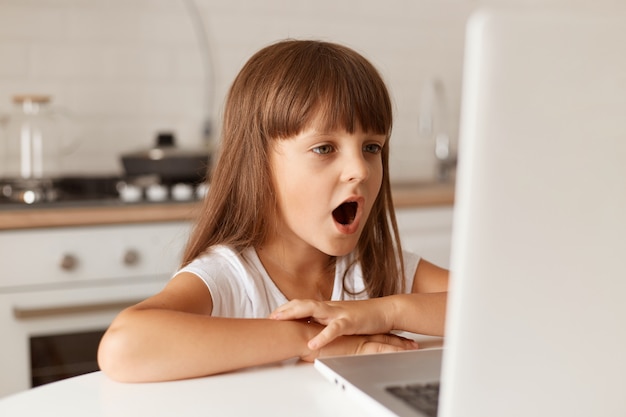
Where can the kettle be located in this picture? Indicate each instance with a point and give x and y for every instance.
(32, 139)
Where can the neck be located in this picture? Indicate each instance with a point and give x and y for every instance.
(304, 273)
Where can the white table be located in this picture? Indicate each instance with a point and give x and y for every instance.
(286, 389)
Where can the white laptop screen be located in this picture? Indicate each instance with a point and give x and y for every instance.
(536, 318)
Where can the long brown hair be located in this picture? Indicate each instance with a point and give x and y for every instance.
(276, 95)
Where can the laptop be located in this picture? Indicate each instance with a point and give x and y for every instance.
(536, 322)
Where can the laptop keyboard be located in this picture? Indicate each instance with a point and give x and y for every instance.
(423, 397)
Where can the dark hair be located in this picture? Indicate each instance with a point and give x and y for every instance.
(280, 91)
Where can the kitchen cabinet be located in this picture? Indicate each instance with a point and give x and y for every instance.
(62, 286)
(73, 255)
(427, 231)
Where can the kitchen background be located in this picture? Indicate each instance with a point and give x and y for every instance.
(119, 71)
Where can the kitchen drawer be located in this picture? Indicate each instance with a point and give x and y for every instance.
(88, 254)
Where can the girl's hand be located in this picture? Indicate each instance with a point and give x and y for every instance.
(366, 317)
(361, 345)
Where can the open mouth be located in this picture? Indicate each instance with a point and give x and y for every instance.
(345, 213)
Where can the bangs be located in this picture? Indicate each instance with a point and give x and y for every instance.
(325, 83)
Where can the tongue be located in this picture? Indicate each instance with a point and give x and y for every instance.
(345, 213)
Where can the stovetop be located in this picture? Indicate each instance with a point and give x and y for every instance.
(94, 190)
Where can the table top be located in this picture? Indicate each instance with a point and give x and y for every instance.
(275, 390)
(285, 389)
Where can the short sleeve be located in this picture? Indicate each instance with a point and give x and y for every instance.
(411, 260)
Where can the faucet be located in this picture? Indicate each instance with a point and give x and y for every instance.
(434, 123)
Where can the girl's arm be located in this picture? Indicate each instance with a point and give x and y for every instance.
(423, 311)
(173, 336)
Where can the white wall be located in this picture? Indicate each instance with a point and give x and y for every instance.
(123, 69)
(409, 41)
(127, 68)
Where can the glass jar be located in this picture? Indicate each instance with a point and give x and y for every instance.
(32, 139)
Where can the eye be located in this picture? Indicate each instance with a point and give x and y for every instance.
(374, 148)
(323, 149)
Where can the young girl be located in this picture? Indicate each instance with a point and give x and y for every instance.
(299, 209)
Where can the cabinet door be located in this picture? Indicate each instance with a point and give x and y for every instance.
(427, 231)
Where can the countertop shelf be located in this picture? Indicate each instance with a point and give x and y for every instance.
(404, 195)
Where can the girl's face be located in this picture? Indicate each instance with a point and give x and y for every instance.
(326, 184)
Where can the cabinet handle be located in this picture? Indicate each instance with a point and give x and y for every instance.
(33, 312)
(69, 262)
(131, 257)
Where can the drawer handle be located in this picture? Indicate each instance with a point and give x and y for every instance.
(69, 262)
(131, 257)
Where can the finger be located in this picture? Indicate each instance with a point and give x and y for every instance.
(377, 347)
(334, 329)
(394, 340)
(285, 311)
(297, 309)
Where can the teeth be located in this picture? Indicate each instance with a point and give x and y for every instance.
(345, 213)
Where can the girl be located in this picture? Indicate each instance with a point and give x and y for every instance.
(299, 209)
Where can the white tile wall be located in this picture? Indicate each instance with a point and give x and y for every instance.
(409, 41)
(125, 69)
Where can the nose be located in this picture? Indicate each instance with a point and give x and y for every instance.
(355, 168)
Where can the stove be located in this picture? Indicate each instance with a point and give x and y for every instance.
(87, 190)
(54, 309)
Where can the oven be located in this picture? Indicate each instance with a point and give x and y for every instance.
(61, 287)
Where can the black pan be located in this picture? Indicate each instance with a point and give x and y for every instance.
(170, 163)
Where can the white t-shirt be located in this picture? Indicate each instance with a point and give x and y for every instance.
(241, 288)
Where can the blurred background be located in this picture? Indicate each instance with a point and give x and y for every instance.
(119, 71)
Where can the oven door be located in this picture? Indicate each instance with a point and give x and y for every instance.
(52, 334)
(61, 287)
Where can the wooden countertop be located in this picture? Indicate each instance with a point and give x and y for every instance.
(404, 195)
(422, 194)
